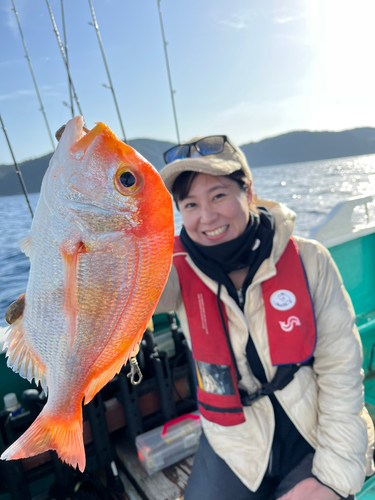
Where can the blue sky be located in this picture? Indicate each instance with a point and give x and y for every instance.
(247, 68)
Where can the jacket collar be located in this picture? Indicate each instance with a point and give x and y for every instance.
(284, 219)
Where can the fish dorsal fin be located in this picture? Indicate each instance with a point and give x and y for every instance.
(25, 245)
(21, 358)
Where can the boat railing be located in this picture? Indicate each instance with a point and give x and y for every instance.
(337, 226)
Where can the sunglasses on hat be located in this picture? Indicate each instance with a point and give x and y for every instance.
(210, 145)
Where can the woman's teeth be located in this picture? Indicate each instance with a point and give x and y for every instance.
(217, 231)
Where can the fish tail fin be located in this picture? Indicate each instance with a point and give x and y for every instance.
(50, 433)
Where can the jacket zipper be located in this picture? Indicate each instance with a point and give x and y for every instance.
(270, 463)
(240, 297)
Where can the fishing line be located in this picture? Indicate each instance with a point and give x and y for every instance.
(110, 86)
(172, 92)
(67, 59)
(64, 58)
(18, 171)
(33, 77)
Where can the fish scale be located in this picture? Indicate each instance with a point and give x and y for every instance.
(100, 254)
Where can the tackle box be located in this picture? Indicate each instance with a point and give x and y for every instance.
(167, 444)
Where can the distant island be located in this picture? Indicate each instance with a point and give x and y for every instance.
(292, 147)
(295, 147)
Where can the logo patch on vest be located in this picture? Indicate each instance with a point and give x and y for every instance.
(288, 325)
(283, 300)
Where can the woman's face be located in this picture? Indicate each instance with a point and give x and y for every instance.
(216, 210)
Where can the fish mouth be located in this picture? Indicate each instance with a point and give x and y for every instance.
(79, 149)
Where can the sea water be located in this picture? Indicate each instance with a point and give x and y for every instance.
(311, 189)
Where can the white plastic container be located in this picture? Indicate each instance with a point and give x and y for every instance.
(12, 405)
(166, 445)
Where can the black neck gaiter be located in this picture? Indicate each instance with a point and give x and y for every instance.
(245, 251)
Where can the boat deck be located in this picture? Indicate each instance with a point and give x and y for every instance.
(168, 484)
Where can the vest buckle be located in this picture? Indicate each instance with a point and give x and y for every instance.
(249, 399)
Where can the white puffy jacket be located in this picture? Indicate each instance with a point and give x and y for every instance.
(324, 402)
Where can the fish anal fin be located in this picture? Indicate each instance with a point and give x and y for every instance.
(70, 258)
(48, 432)
(99, 382)
(25, 245)
(103, 378)
(21, 358)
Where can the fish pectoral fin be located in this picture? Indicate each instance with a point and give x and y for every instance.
(70, 258)
(25, 245)
(21, 358)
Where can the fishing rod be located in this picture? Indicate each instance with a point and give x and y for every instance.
(165, 43)
(64, 58)
(110, 86)
(33, 77)
(67, 59)
(18, 171)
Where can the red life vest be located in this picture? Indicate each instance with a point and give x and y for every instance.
(290, 324)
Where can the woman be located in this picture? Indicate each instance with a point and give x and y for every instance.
(276, 352)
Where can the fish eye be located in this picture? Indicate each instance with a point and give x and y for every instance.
(126, 181)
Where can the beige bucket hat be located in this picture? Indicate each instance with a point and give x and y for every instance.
(228, 161)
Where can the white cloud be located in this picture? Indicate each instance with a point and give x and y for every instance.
(12, 62)
(10, 21)
(238, 25)
(16, 94)
(288, 19)
(46, 90)
(244, 19)
(241, 19)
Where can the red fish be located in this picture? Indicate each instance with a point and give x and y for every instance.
(100, 251)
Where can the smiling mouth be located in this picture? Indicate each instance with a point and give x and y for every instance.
(216, 232)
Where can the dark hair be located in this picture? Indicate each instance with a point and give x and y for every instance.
(182, 184)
